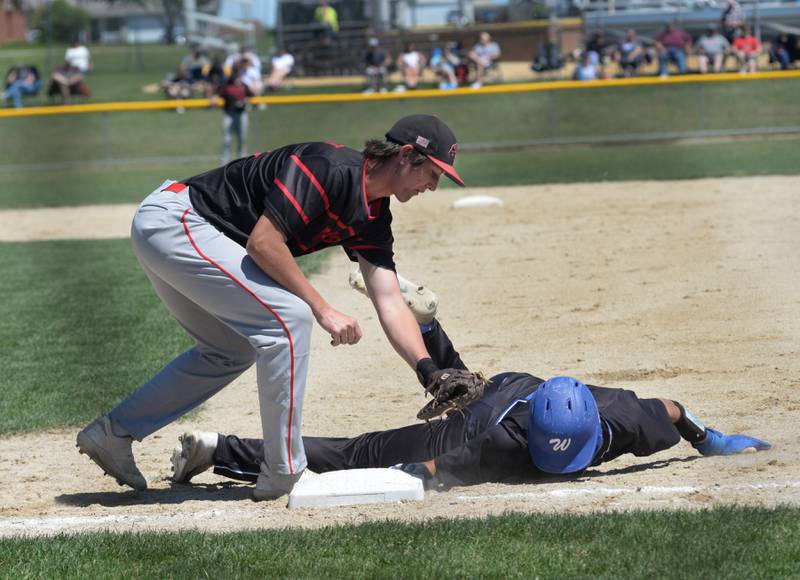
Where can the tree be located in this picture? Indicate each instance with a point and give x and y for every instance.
(59, 21)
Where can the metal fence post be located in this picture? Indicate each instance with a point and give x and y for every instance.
(552, 120)
(107, 149)
(701, 106)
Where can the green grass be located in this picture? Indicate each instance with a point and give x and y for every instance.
(484, 118)
(84, 186)
(130, 184)
(81, 329)
(720, 543)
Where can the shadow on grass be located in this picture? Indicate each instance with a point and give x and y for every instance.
(177, 493)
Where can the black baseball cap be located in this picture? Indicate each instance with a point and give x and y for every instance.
(431, 137)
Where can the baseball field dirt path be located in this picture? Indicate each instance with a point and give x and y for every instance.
(687, 290)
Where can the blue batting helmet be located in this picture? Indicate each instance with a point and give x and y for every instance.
(564, 429)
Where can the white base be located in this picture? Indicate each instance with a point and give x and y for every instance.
(356, 486)
(476, 201)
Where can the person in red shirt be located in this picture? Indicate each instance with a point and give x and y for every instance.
(672, 45)
(746, 47)
(234, 94)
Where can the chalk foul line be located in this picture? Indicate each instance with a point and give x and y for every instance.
(611, 491)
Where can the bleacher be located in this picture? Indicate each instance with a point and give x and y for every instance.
(318, 55)
(649, 16)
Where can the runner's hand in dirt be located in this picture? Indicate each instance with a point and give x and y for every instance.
(717, 443)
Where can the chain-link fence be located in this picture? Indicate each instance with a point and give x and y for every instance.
(483, 121)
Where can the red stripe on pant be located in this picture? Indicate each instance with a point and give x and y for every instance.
(275, 314)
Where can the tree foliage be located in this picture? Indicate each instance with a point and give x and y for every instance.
(59, 21)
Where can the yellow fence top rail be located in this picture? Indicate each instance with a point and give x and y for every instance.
(418, 94)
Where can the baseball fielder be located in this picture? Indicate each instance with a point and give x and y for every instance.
(219, 250)
(522, 428)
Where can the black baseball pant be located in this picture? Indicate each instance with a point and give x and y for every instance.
(239, 458)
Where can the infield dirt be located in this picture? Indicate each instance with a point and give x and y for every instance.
(684, 290)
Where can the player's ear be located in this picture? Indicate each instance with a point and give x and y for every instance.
(405, 152)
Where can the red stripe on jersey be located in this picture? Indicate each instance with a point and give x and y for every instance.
(176, 187)
(275, 314)
(332, 144)
(301, 245)
(318, 186)
(291, 198)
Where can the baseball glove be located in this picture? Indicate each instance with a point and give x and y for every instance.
(452, 390)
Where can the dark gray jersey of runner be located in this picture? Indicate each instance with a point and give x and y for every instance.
(471, 447)
(314, 193)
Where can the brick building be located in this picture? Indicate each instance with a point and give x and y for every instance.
(12, 22)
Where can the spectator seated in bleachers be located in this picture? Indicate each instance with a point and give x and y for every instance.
(21, 81)
(78, 56)
(486, 57)
(67, 81)
(251, 76)
(630, 54)
(444, 63)
(453, 51)
(600, 52)
(282, 64)
(747, 49)
(712, 47)
(195, 66)
(216, 75)
(233, 60)
(196, 75)
(784, 50)
(587, 68)
(672, 45)
(247, 62)
(376, 66)
(411, 63)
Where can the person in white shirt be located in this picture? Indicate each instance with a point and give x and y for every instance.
(78, 56)
(410, 62)
(282, 65)
(484, 55)
(245, 52)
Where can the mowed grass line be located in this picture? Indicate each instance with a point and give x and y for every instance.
(663, 161)
(478, 118)
(82, 328)
(730, 542)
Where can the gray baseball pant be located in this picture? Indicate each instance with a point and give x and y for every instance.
(237, 316)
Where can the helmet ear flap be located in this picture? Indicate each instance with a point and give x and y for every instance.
(564, 429)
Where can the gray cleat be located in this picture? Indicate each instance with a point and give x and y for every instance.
(112, 453)
(272, 487)
(194, 455)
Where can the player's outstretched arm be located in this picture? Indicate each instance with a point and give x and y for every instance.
(397, 320)
(706, 440)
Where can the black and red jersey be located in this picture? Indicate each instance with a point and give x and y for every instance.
(314, 193)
